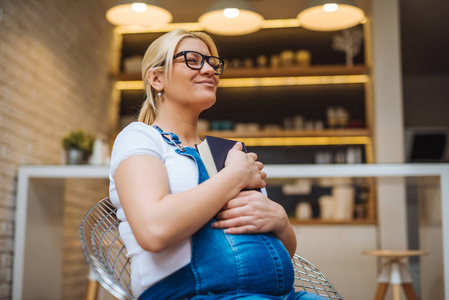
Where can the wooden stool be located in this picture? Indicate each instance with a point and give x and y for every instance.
(395, 272)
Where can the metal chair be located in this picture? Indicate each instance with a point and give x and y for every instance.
(310, 279)
(105, 251)
(105, 254)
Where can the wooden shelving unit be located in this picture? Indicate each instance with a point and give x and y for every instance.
(234, 81)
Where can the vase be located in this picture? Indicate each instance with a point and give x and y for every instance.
(303, 211)
(74, 156)
(344, 202)
(303, 58)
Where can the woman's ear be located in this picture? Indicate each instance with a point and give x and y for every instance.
(156, 79)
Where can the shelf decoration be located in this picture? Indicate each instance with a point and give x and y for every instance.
(350, 42)
(78, 146)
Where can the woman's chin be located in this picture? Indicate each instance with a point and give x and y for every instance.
(208, 105)
(206, 102)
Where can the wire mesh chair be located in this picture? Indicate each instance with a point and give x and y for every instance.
(310, 279)
(105, 251)
(105, 254)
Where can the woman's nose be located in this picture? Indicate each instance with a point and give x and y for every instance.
(207, 68)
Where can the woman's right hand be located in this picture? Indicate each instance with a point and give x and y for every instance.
(247, 166)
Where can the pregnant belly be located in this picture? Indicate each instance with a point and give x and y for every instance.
(251, 263)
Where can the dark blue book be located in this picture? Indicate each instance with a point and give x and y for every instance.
(213, 151)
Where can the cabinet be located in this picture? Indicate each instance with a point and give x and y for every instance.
(269, 98)
(325, 201)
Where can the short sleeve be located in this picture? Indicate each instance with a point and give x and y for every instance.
(135, 139)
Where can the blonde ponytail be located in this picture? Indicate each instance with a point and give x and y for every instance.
(147, 114)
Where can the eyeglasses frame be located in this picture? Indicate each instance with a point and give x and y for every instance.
(204, 58)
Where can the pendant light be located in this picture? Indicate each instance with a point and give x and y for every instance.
(139, 13)
(329, 15)
(231, 17)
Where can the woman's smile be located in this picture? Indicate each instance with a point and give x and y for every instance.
(206, 82)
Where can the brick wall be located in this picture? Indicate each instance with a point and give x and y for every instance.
(56, 58)
(79, 197)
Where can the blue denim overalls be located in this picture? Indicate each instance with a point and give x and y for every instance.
(225, 266)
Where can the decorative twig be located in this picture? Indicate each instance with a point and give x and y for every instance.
(350, 42)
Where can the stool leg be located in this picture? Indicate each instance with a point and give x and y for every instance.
(92, 287)
(92, 290)
(396, 291)
(396, 280)
(381, 291)
(409, 291)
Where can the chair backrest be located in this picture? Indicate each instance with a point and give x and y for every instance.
(105, 251)
(310, 279)
(105, 254)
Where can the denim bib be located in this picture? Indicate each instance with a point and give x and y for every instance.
(226, 265)
(173, 139)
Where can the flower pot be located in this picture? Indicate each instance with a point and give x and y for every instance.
(74, 156)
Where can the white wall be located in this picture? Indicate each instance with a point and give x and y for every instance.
(336, 251)
(430, 238)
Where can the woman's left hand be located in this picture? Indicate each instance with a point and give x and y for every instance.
(251, 212)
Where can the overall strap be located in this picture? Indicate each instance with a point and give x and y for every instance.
(170, 138)
(173, 139)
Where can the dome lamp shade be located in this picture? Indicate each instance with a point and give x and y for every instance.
(330, 15)
(138, 13)
(231, 17)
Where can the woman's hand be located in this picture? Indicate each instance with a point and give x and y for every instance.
(247, 166)
(251, 212)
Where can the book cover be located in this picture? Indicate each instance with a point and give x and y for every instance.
(213, 151)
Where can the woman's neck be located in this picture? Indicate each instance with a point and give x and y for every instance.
(179, 120)
(186, 131)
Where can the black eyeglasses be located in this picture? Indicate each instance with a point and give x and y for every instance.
(195, 60)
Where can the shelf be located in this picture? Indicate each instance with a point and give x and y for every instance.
(297, 137)
(332, 222)
(293, 137)
(128, 77)
(325, 70)
(254, 77)
(289, 133)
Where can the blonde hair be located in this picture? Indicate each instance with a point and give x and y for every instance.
(159, 57)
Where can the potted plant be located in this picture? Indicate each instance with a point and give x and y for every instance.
(78, 146)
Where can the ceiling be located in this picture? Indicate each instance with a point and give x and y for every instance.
(424, 27)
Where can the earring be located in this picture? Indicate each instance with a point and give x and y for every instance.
(159, 95)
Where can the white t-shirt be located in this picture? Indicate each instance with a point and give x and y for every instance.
(139, 138)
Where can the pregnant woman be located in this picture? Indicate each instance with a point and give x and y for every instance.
(190, 236)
